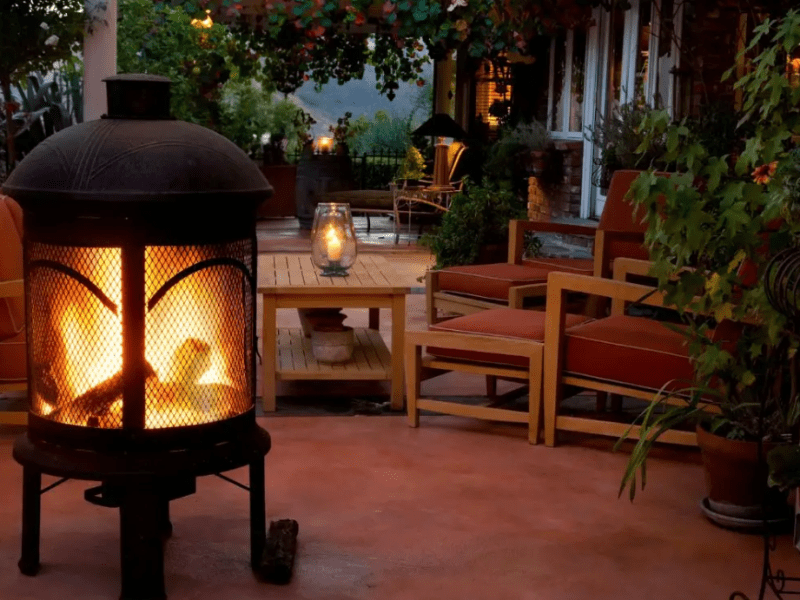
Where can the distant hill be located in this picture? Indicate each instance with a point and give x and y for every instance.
(358, 97)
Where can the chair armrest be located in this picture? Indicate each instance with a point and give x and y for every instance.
(472, 341)
(517, 295)
(11, 288)
(622, 268)
(517, 229)
(558, 284)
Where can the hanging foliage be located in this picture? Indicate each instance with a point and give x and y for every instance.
(321, 40)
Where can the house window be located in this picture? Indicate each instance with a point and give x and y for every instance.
(566, 85)
(493, 92)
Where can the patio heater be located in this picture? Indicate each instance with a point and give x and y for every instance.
(140, 274)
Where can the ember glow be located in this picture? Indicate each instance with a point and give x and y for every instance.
(186, 349)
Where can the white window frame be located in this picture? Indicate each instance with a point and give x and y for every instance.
(562, 132)
(597, 48)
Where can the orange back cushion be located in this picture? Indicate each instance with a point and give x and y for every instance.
(12, 310)
(618, 212)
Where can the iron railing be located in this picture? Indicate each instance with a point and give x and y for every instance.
(371, 170)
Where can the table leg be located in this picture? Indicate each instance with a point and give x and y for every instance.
(398, 335)
(375, 318)
(268, 350)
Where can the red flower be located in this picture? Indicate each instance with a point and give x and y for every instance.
(420, 82)
(764, 173)
(360, 18)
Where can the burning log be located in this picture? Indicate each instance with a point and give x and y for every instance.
(96, 402)
(279, 552)
(190, 361)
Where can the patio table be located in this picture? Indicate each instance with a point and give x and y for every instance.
(292, 281)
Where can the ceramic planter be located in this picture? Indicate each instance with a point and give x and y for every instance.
(737, 481)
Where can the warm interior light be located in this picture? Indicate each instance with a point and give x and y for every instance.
(184, 344)
(324, 144)
(333, 243)
(204, 23)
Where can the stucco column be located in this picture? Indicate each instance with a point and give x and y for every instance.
(99, 56)
(443, 77)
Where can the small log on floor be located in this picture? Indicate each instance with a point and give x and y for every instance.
(279, 552)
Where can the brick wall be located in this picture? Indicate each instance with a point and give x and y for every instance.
(557, 194)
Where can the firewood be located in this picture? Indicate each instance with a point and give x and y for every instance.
(96, 401)
(190, 361)
(280, 549)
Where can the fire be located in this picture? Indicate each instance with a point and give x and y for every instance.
(189, 381)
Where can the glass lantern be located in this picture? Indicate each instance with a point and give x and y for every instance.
(333, 239)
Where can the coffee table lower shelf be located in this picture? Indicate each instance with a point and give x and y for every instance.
(294, 359)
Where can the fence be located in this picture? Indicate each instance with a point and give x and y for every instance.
(371, 170)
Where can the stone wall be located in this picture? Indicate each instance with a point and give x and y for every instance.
(557, 194)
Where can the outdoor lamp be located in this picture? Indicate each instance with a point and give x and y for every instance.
(324, 144)
(440, 126)
(333, 239)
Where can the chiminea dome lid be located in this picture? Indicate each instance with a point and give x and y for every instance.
(137, 155)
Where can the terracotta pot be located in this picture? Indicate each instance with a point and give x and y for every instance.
(332, 344)
(736, 481)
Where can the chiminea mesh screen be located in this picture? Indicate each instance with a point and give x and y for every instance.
(198, 334)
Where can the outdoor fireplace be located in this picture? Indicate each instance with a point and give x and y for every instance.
(140, 273)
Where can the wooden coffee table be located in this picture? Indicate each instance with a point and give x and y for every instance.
(292, 281)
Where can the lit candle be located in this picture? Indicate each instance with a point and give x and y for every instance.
(333, 243)
(325, 144)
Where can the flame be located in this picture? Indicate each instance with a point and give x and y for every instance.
(184, 346)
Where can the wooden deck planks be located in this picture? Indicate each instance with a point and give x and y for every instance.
(295, 359)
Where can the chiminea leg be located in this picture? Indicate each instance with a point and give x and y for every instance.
(165, 524)
(141, 515)
(258, 512)
(31, 520)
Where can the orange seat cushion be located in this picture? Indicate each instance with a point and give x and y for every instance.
(630, 351)
(12, 310)
(580, 266)
(496, 322)
(489, 282)
(13, 360)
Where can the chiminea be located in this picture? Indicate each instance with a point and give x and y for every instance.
(140, 274)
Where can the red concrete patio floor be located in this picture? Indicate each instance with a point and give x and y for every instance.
(455, 509)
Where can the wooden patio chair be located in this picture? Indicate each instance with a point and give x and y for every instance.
(467, 289)
(13, 376)
(499, 343)
(631, 356)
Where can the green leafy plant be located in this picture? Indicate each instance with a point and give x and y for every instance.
(316, 41)
(510, 156)
(161, 39)
(619, 138)
(384, 133)
(34, 37)
(712, 229)
(478, 216)
(246, 114)
(413, 165)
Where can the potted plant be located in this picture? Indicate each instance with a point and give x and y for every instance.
(475, 229)
(713, 227)
(619, 140)
(524, 149)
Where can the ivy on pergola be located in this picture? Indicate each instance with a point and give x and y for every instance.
(320, 40)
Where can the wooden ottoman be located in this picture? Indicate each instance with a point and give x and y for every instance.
(499, 342)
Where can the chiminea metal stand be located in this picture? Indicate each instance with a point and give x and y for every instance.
(141, 486)
(140, 272)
